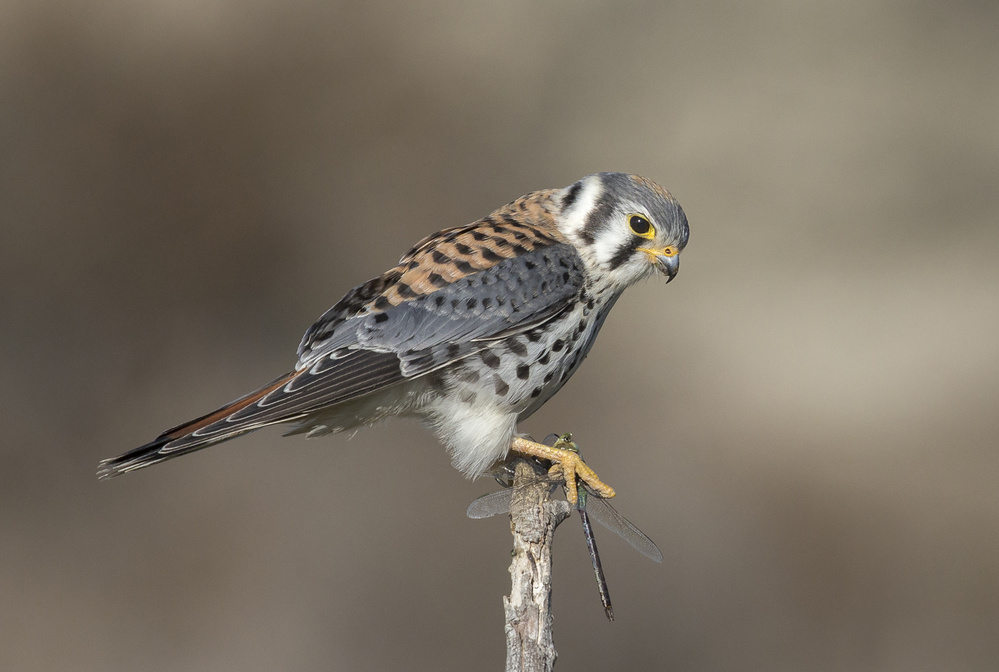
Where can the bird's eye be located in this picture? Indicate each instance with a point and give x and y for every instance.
(641, 226)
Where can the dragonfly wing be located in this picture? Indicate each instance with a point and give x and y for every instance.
(605, 514)
(496, 503)
(490, 505)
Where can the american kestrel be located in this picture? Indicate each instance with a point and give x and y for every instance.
(473, 330)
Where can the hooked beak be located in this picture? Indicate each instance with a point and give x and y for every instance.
(668, 265)
(666, 260)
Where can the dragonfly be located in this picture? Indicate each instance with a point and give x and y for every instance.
(589, 505)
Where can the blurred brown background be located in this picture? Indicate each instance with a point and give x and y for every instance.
(806, 420)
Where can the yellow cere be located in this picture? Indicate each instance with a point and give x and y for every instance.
(668, 251)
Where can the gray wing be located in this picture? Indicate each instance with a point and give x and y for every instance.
(375, 350)
(432, 330)
(370, 349)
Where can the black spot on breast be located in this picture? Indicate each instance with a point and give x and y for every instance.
(501, 387)
(543, 359)
(558, 345)
(381, 317)
(536, 392)
(549, 376)
(523, 371)
(534, 335)
(565, 277)
(516, 347)
(490, 359)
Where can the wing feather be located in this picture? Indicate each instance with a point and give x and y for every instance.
(429, 331)
(449, 297)
(441, 261)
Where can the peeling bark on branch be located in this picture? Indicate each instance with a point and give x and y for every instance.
(533, 519)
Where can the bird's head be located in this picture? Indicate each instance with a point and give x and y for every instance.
(625, 227)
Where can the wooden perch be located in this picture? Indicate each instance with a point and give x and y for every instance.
(534, 515)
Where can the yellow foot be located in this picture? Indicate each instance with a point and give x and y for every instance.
(568, 465)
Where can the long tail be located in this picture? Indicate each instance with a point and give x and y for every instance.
(330, 380)
(186, 438)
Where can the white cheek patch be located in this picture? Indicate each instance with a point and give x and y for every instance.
(609, 242)
(575, 218)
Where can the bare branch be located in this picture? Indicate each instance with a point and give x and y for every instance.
(533, 519)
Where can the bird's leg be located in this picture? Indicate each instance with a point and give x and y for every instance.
(567, 464)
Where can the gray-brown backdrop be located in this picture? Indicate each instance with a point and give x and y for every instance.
(806, 420)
